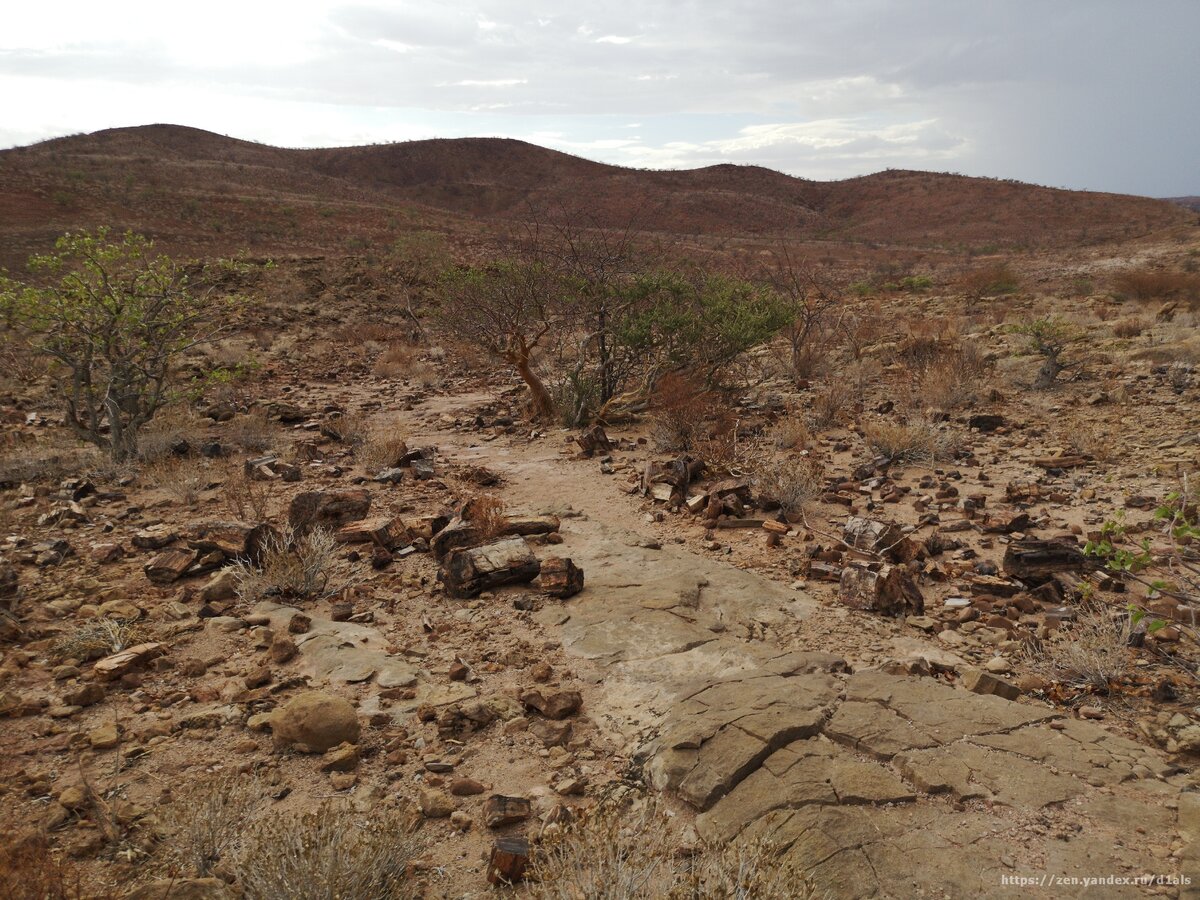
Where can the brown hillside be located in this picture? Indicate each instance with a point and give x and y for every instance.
(203, 192)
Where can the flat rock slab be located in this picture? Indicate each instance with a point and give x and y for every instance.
(342, 652)
(893, 786)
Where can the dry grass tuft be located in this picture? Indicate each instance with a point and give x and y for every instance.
(99, 637)
(1146, 285)
(1129, 328)
(205, 820)
(790, 434)
(1093, 651)
(29, 870)
(608, 855)
(829, 404)
(292, 565)
(790, 480)
(254, 431)
(911, 441)
(330, 852)
(382, 448)
(488, 517)
(183, 477)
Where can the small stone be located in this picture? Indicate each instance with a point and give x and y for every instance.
(436, 804)
(460, 820)
(979, 682)
(998, 665)
(466, 787)
(283, 649)
(104, 737)
(342, 758)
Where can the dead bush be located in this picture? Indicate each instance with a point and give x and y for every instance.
(292, 565)
(29, 870)
(952, 379)
(330, 852)
(829, 404)
(487, 516)
(183, 477)
(205, 819)
(1088, 439)
(1129, 328)
(248, 500)
(790, 480)
(915, 440)
(1092, 651)
(175, 431)
(990, 281)
(683, 411)
(99, 637)
(790, 433)
(1146, 285)
(612, 854)
(402, 361)
(253, 431)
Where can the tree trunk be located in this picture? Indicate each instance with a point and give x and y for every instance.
(1048, 374)
(543, 403)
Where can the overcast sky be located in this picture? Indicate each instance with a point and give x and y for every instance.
(1097, 94)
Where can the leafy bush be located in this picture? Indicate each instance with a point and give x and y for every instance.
(114, 318)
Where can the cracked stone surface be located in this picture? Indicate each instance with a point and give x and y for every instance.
(895, 786)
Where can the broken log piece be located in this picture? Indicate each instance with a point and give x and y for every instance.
(510, 857)
(458, 533)
(233, 540)
(499, 810)
(776, 528)
(871, 535)
(1037, 561)
(126, 660)
(530, 525)
(328, 509)
(593, 440)
(741, 522)
(169, 566)
(880, 588)
(383, 531)
(696, 502)
(1060, 462)
(468, 571)
(560, 577)
(823, 571)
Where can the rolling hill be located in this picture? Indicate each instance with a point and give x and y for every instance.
(206, 193)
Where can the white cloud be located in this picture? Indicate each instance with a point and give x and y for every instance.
(1077, 91)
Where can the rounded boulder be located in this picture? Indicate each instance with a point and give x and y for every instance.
(314, 722)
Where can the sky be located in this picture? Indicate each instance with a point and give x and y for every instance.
(1090, 94)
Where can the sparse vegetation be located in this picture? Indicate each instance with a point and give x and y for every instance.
(612, 854)
(206, 818)
(789, 479)
(114, 318)
(329, 852)
(297, 566)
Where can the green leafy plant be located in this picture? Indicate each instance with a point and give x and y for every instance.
(114, 316)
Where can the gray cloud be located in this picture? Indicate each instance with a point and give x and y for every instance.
(1093, 94)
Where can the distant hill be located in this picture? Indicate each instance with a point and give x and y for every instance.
(207, 193)
(1188, 202)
